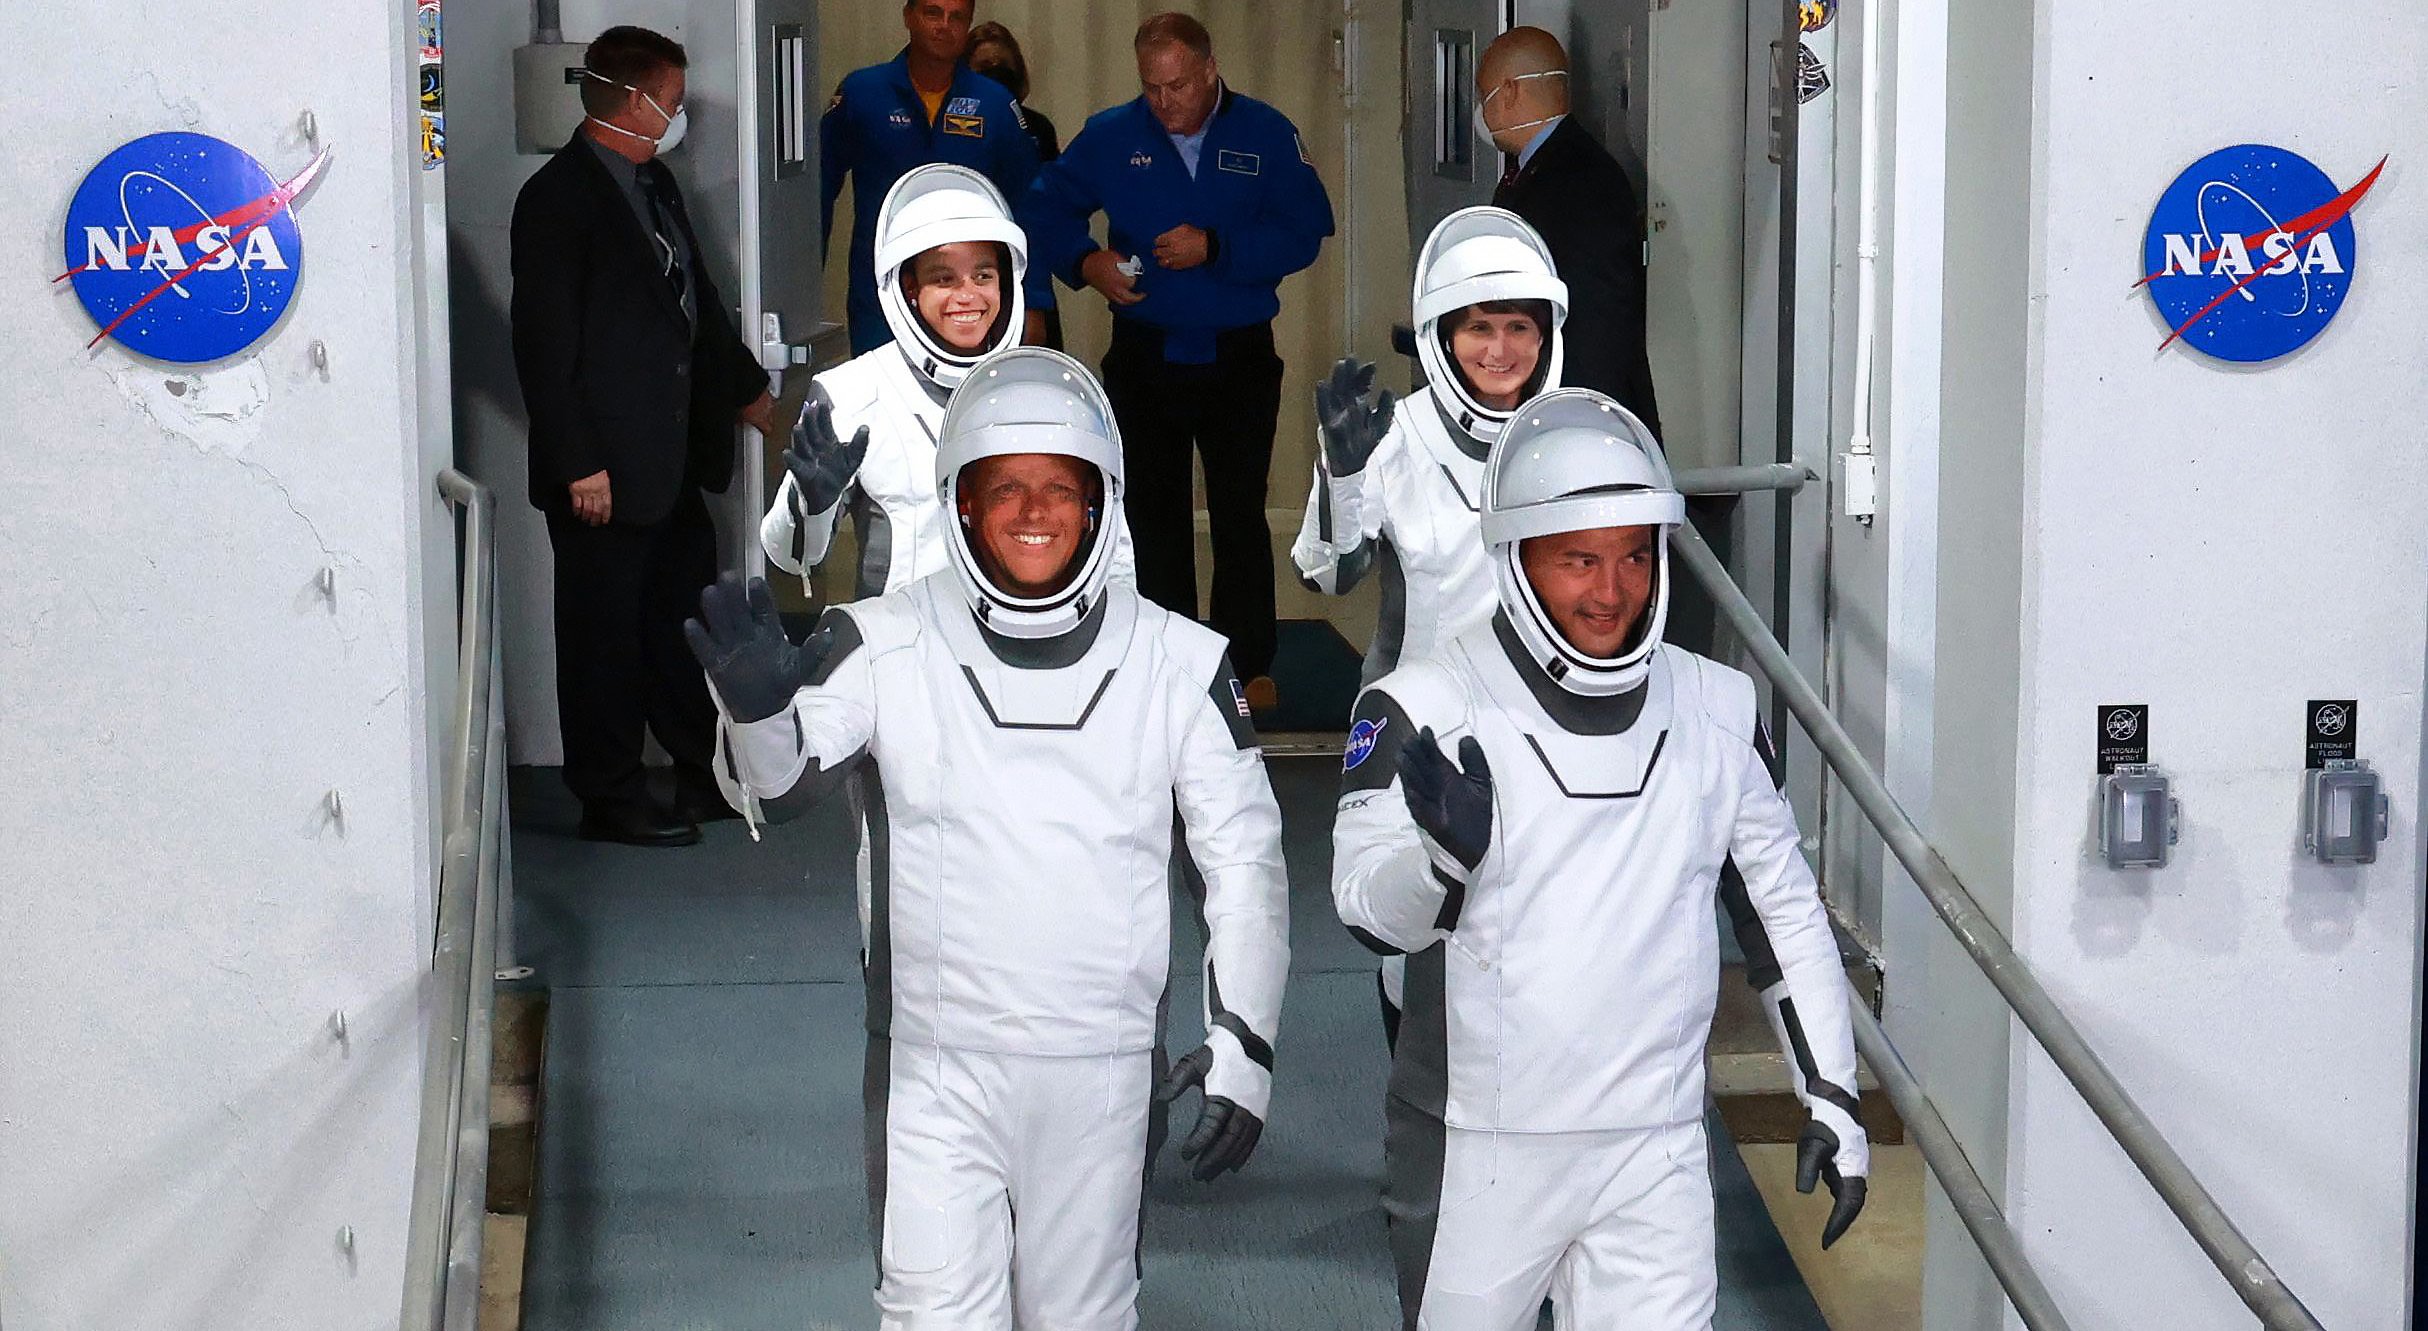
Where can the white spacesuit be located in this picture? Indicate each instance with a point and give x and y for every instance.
(897, 393)
(1554, 893)
(1019, 759)
(1403, 506)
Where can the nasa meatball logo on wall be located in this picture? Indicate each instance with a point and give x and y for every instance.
(2251, 252)
(184, 248)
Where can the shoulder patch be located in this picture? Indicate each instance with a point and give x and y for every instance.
(1362, 738)
(1231, 704)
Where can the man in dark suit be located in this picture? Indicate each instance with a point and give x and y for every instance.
(1568, 187)
(633, 377)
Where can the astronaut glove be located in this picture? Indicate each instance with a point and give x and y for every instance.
(1452, 804)
(1352, 427)
(821, 465)
(1227, 1129)
(740, 642)
(1834, 1149)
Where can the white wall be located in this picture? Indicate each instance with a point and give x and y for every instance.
(2124, 524)
(182, 1136)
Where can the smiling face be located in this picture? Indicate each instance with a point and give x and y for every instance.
(1028, 515)
(1496, 353)
(957, 290)
(1594, 584)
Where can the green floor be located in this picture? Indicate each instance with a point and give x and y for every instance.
(700, 1166)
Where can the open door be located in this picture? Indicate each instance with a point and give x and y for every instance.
(780, 250)
(1449, 166)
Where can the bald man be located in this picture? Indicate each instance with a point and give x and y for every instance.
(1569, 188)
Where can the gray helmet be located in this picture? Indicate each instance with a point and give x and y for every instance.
(1031, 400)
(1572, 460)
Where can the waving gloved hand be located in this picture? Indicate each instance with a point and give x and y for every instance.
(740, 642)
(1452, 804)
(1352, 427)
(1834, 1149)
(1227, 1129)
(821, 465)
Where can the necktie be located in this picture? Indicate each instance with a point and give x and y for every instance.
(657, 186)
(1509, 174)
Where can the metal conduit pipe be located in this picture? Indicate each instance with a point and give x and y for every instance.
(447, 1004)
(1783, 476)
(547, 29)
(2252, 1279)
(1954, 1169)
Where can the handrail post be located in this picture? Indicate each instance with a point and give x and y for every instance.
(2249, 1274)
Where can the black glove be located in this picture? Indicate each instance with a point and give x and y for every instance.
(1226, 1134)
(821, 464)
(1452, 808)
(741, 644)
(1816, 1161)
(1352, 428)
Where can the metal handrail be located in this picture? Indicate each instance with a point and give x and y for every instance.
(2252, 1279)
(1957, 1178)
(1742, 480)
(442, 1253)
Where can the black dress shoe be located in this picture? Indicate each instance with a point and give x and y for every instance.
(641, 825)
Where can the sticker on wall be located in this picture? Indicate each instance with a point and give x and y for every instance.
(2250, 253)
(184, 248)
(434, 87)
(433, 34)
(2124, 735)
(1814, 15)
(434, 140)
(2332, 731)
(1812, 78)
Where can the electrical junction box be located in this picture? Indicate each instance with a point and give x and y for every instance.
(2138, 817)
(547, 96)
(2343, 812)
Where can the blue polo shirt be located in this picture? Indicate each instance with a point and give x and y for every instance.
(1255, 193)
(876, 130)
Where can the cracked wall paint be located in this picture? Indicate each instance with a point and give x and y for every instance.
(218, 408)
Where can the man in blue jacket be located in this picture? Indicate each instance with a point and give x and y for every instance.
(1210, 200)
(924, 105)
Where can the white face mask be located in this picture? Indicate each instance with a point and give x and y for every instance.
(1483, 128)
(668, 139)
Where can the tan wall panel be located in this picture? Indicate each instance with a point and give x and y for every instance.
(1080, 62)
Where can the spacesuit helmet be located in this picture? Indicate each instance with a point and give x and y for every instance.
(939, 204)
(1030, 400)
(1474, 256)
(1573, 460)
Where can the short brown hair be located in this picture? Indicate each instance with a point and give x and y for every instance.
(995, 34)
(625, 55)
(1161, 28)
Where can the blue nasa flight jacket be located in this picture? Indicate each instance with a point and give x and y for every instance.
(876, 129)
(1255, 194)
